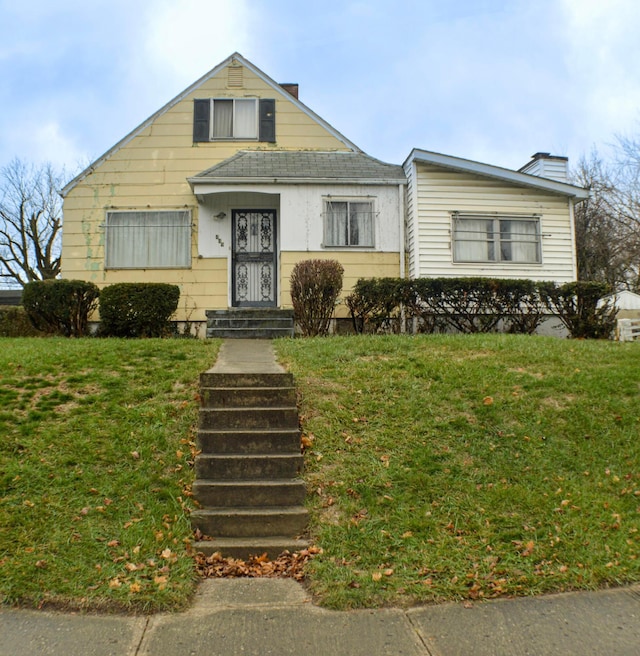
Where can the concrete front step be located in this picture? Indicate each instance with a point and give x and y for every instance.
(250, 323)
(258, 441)
(249, 494)
(247, 397)
(256, 332)
(228, 467)
(245, 548)
(248, 379)
(250, 522)
(248, 418)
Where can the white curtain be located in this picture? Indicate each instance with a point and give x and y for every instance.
(473, 240)
(223, 119)
(348, 223)
(142, 240)
(336, 230)
(244, 120)
(519, 241)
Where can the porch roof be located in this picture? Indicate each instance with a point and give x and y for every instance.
(300, 167)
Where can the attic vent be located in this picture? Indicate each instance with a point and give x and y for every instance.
(235, 77)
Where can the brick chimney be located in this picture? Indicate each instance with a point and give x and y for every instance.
(291, 89)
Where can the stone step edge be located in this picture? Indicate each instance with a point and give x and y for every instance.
(244, 548)
(245, 482)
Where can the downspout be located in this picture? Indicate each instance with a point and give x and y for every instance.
(401, 221)
(572, 222)
(401, 237)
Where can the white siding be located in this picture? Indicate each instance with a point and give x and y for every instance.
(300, 210)
(440, 192)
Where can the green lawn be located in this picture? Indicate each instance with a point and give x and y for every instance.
(95, 442)
(438, 468)
(451, 467)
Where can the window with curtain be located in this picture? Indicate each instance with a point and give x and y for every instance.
(148, 240)
(478, 238)
(348, 223)
(234, 118)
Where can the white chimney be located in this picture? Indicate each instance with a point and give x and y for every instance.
(544, 165)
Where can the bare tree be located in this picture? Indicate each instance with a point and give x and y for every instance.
(607, 227)
(30, 222)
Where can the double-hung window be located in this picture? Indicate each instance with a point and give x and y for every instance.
(348, 223)
(148, 239)
(496, 238)
(240, 119)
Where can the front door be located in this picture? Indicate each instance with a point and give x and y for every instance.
(254, 264)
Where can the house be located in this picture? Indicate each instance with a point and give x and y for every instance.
(235, 180)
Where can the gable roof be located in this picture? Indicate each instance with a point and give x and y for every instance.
(497, 173)
(237, 57)
(296, 167)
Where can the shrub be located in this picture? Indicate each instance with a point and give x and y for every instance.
(315, 287)
(137, 309)
(576, 304)
(60, 306)
(375, 304)
(14, 322)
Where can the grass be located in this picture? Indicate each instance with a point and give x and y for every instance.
(439, 468)
(95, 442)
(468, 467)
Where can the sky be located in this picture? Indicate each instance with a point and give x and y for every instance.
(489, 80)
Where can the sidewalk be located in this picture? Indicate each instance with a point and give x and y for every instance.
(258, 617)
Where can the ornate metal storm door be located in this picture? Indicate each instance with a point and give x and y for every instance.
(254, 266)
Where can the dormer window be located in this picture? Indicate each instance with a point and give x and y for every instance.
(235, 119)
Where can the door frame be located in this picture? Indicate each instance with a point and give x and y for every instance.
(253, 257)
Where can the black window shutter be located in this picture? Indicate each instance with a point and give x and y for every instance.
(267, 119)
(201, 113)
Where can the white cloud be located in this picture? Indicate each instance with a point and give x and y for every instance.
(186, 38)
(602, 60)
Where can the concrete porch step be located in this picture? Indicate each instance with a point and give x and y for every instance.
(250, 494)
(245, 522)
(245, 379)
(227, 467)
(248, 418)
(245, 548)
(260, 441)
(256, 332)
(236, 397)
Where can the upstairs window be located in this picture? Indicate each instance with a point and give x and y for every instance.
(240, 119)
(148, 240)
(478, 238)
(348, 223)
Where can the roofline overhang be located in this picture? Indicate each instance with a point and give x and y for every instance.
(236, 56)
(198, 182)
(497, 173)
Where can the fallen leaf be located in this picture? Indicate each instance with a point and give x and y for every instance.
(377, 576)
(135, 587)
(488, 400)
(135, 455)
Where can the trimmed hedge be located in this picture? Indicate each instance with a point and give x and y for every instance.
(60, 306)
(14, 322)
(137, 309)
(478, 305)
(315, 287)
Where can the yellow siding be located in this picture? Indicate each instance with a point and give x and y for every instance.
(357, 264)
(151, 171)
(441, 192)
